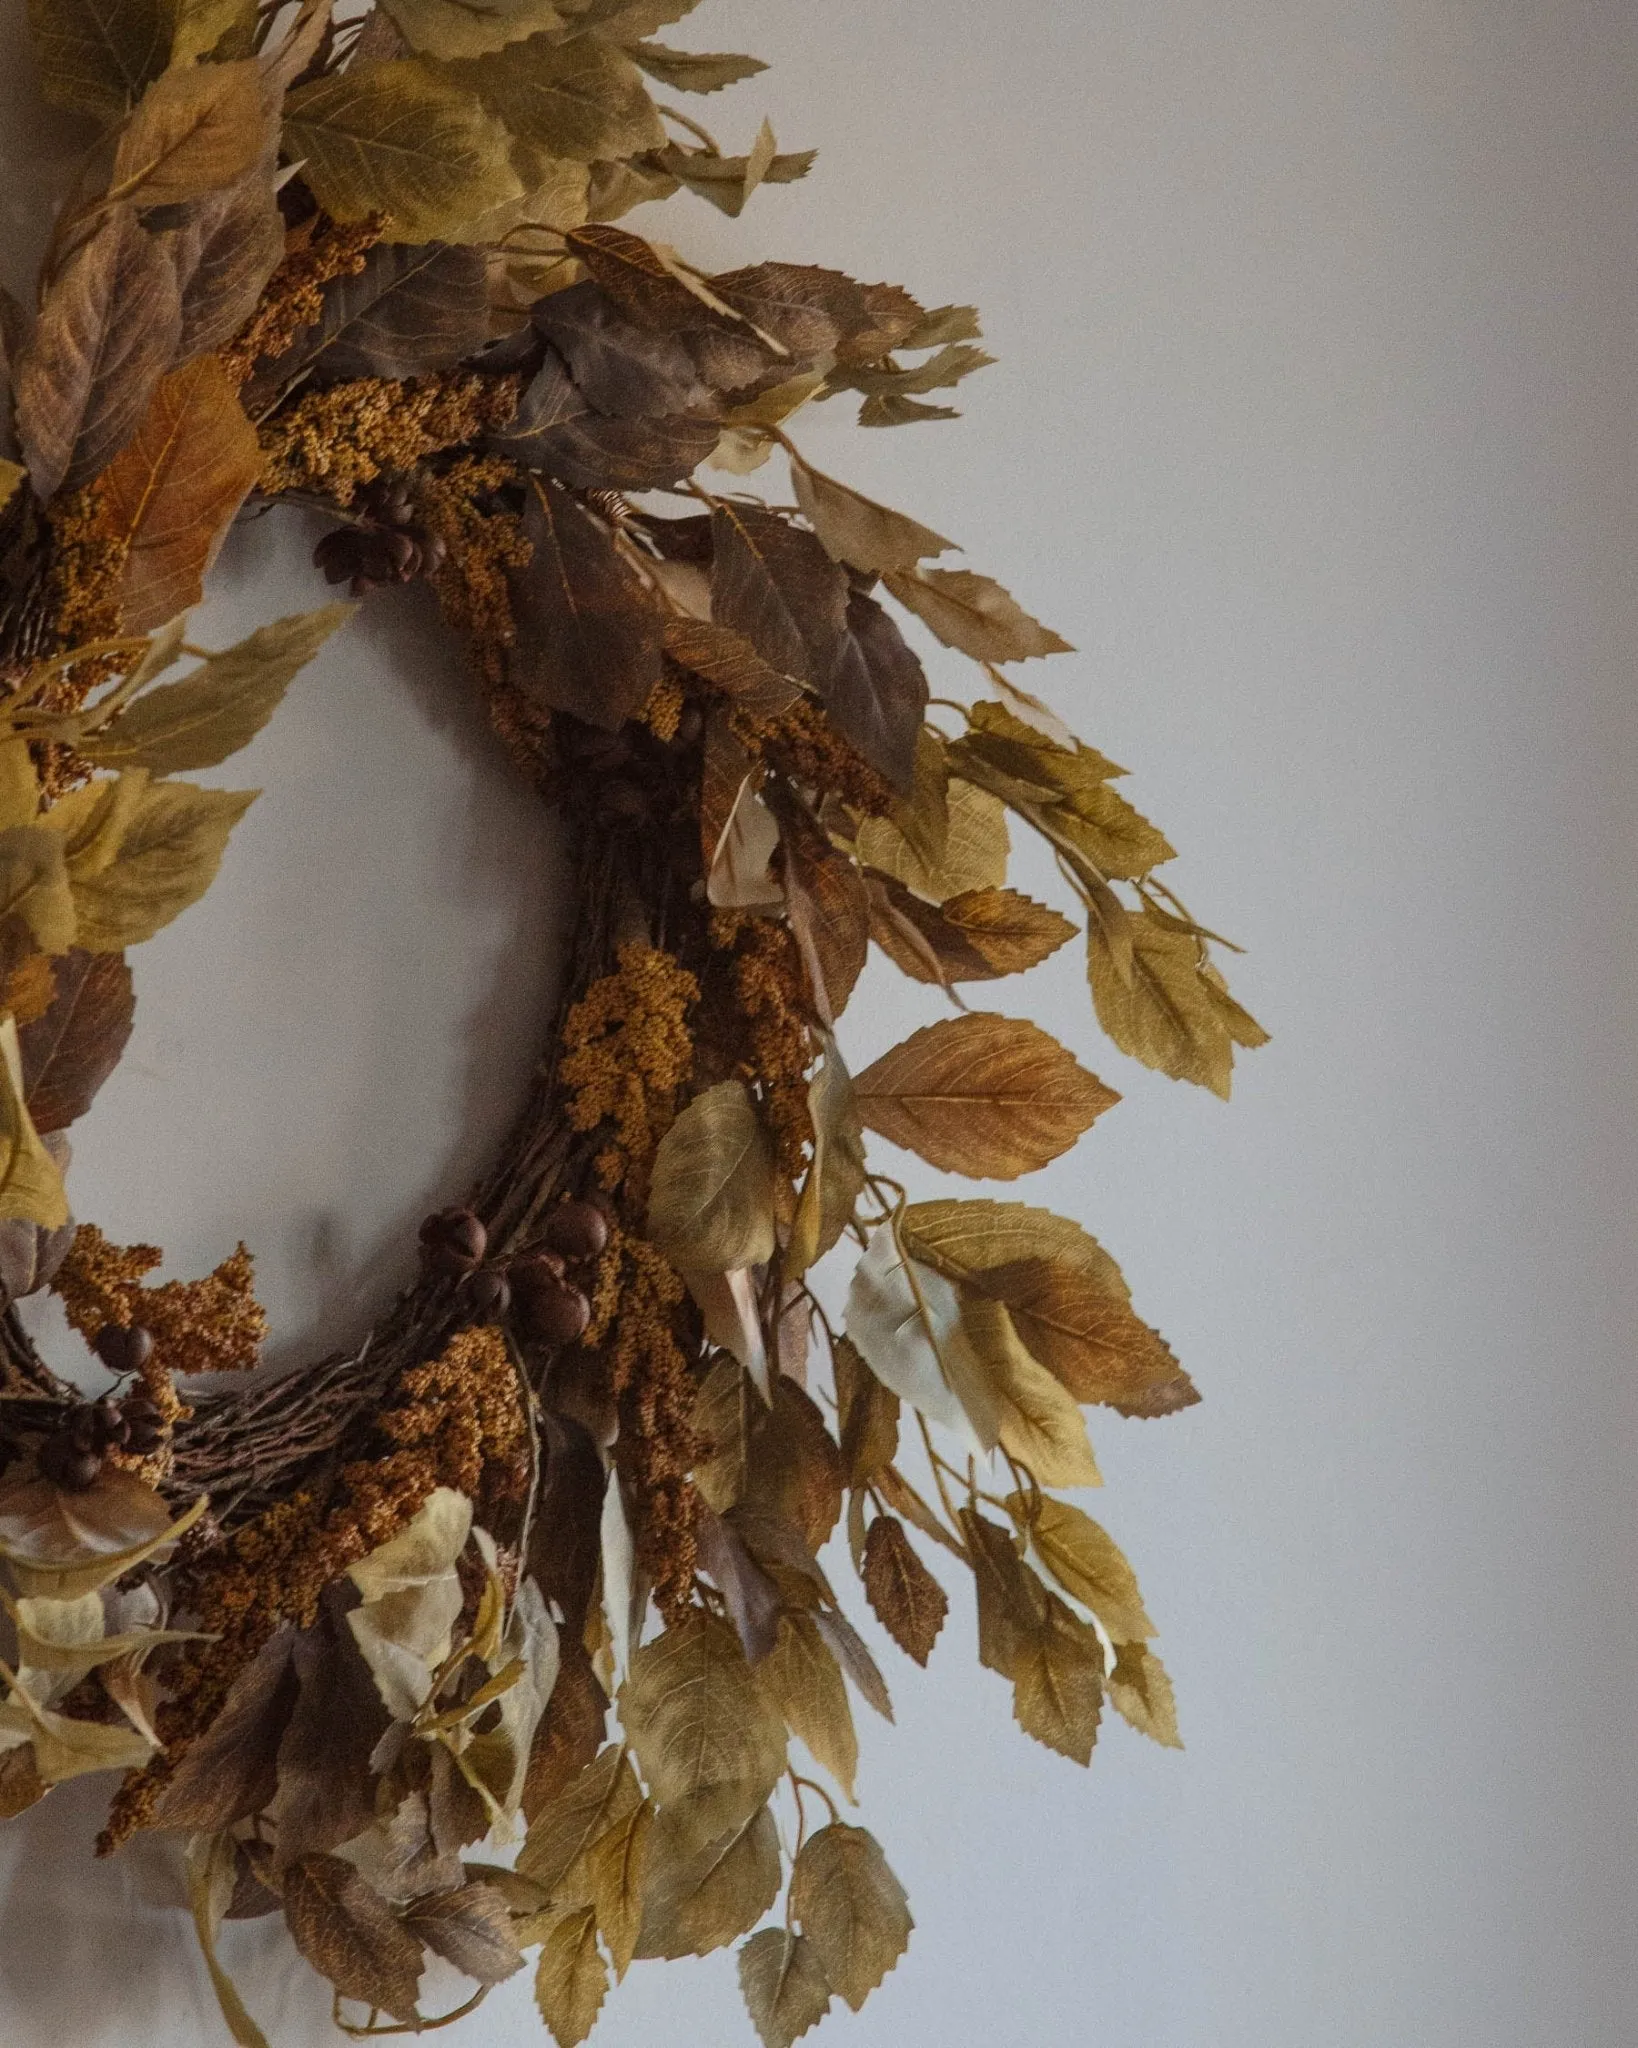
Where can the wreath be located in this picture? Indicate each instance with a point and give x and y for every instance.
(492, 1634)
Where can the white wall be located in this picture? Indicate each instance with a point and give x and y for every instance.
(1314, 430)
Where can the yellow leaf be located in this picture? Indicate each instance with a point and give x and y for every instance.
(571, 1979)
(836, 1176)
(806, 1682)
(34, 885)
(164, 859)
(1057, 1684)
(457, 28)
(988, 1096)
(31, 1187)
(172, 492)
(1036, 1419)
(851, 1907)
(206, 26)
(1141, 1692)
(784, 1986)
(973, 614)
(11, 475)
(403, 139)
(975, 854)
(858, 531)
(712, 1203)
(65, 1748)
(600, 1797)
(616, 1866)
(1087, 1562)
(581, 99)
(62, 1546)
(1166, 1014)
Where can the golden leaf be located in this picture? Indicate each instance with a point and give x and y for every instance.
(1057, 1684)
(851, 1907)
(784, 1986)
(1166, 1012)
(1066, 1297)
(867, 1415)
(580, 100)
(197, 128)
(350, 1935)
(11, 475)
(31, 1184)
(1033, 1417)
(858, 531)
(721, 1420)
(571, 1979)
(173, 490)
(903, 1594)
(1141, 1693)
(712, 1202)
(706, 1737)
(826, 902)
(204, 27)
(616, 1868)
(806, 1682)
(218, 707)
(693, 70)
(973, 614)
(702, 1898)
(95, 58)
(975, 855)
(987, 1096)
(34, 886)
(1087, 1562)
(402, 139)
(455, 28)
(601, 1796)
(836, 1176)
(165, 858)
(980, 935)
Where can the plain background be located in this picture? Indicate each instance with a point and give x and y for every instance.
(1314, 430)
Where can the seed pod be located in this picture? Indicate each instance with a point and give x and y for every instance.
(124, 1350)
(555, 1314)
(487, 1293)
(537, 1268)
(67, 1466)
(109, 1428)
(459, 1231)
(144, 1425)
(579, 1230)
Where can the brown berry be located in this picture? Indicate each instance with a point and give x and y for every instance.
(460, 1230)
(124, 1350)
(578, 1230)
(537, 1268)
(144, 1425)
(67, 1466)
(109, 1429)
(555, 1314)
(487, 1293)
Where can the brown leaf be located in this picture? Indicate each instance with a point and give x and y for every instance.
(806, 1681)
(1012, 1602)
(794, 1470)
(231, 1771)
(1057, 1692)
(700, 1898)
(598, 1798)
(622, 369)
(846, 1645)
(988, 1096)
(813, 311)
(980, 935)
(724, 657)
(571, 1979)
(773, 584)
(903, 1594)
(326, 1789)
(563, 1555)
(1064, 1293)
(414, 307)
(645, 287)
(973, 614)
(876, 691)
(95, 59)
(470, 1928)
(826, 901)
(571, 1730)
(751, 1597)
(349, 1934)
(172, 492)
(71, 1049)
(107, 332)
(225, 250)
(1087, 1562)
(196, 129)
(556, 431)
(851, 1907)
(858, 531)
(784, 1986)
(589, 640)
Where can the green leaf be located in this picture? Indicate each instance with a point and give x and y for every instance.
(164, 859)
(404, 139)
(711, 1206)
(784, 1986)
(693, 70)
(221, 705)
(851, 1907)
(95, 56)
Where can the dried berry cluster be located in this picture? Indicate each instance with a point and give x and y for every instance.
(550, 1553)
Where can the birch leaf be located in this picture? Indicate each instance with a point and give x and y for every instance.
(992, 1097)
(34, 886)
(165, 858)
(858, 531)
(350, 1935)
(836, 1177)
(806, 1682)
(775, 586)
(693, 70)
(700, 1898)
(876, 691)
(1141, 1693)
(975, 854)
(571, 1978)
(459, 28)
(1038, 1421)
(973, 614)
(851, 1907)
(1165, 1013)
(903, 1594)
(826, 902)
(1088, 1563)
(197, 128)
(470, 1928)
(580, 100)
(712, 1201)
(867, 1415)
(600, 1797)
(616, 1868)
(980, 935)
(784, 1986)
(1057, 1687)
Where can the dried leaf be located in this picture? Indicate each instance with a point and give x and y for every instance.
(326, 1790)
(702, 1728)
(1141, 1693)
(700, 1898)
(350, 1935)
(905, 1319)
(35, 896)
(570, 1731)
(851, 1907)
(775, 586)
(1064, 1293)
(711, 1206)
(980, 935)
(602, 1796)
(107, 332)
(459, 28)
(806, 1683)
(1034, 1418)
(174, 489)
(858, 531)
(224, 29)
(166, 846)
(1057, 1692)
(992, 1097)
(1012, 1602)
(470, 1928)
(1088, 1563)
(903, 1594)
(826, 901)
(722, 657)
(846, 1645)
(867, 1415)
(95, 59)
(975, 855)
(588, 640)
(580, 100)
(221, 705)
(1166, 1013)
(31, 1182)
(728, 181)
(732, 1316)
(815, 312)
(72, 1048)
(65, 1748)
(557, 432)
(877, 691)
(616, 1870)
(402, 138)
(836, 1177)
(794, 1470)
(974, 614)
(571, 1979)
(784, 1986)
(231, 1770)
(227, 247)
(693, 70)
(414, 307)
(196, 129)
(622, 369)
(212, 1873)
(751, 1597)
(722, 1421)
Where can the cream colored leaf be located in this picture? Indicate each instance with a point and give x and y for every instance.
(741, 877)
(784, 1986)
(1028, 709)
(701, 1727)
(988, 1096)
(571, 1978)
(1140, 1691)
(973, 614)
(218, 707)
(806, 1683)
(411, 1599)
(197, 128)
(851, 1907)
(470, 28)
(404, 139)
(65, 1748)
(905, 1320)
(858, 531)
(164, 860)
(711, 1207)
(728, 1307)
(975, 855)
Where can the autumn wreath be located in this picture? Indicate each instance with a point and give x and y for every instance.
(537, 1568)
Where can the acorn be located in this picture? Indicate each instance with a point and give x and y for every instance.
(487, 1293)
(537, 1268)
(579, 1230)
(454, 1241)
(554, 1313)
(124, 1349)
(67, 1466)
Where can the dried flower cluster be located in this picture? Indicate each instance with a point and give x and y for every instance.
(551, 1559)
